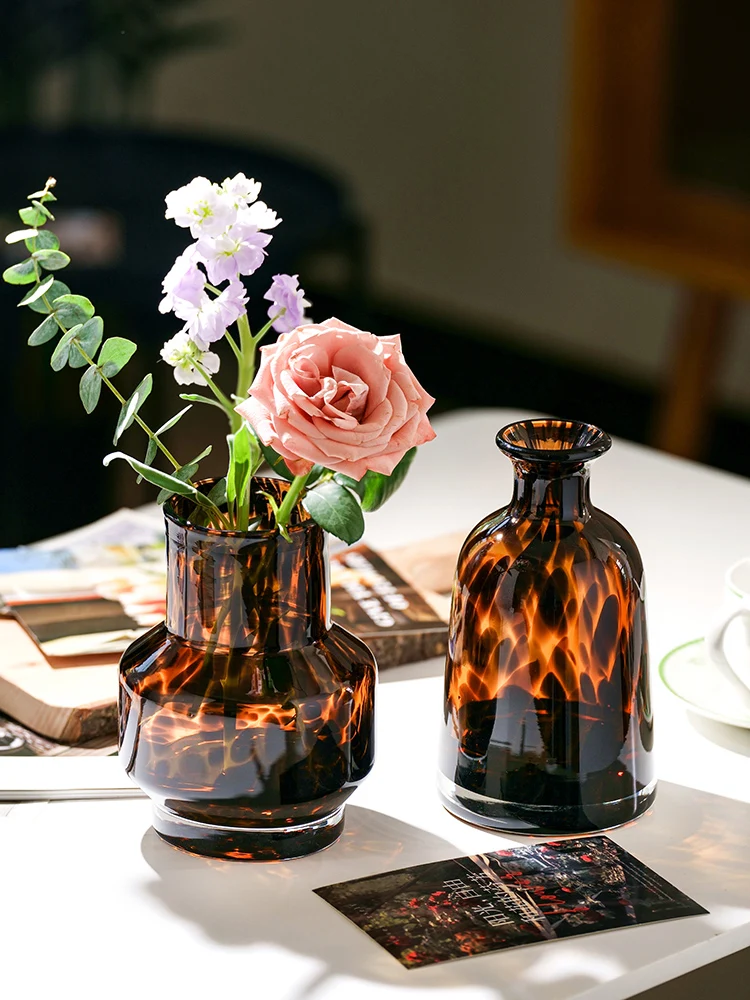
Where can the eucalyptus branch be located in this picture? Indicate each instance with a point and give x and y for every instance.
(82, 334)
(114, 390)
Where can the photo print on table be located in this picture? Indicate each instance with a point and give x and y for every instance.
(468, 906)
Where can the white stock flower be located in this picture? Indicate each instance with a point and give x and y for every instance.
(259, 215)
(203, 207)
(241, 188)
(181, 352)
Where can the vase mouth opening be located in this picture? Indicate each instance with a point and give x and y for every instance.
(563, 442)
(178, 510)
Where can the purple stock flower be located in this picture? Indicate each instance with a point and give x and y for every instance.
(237, 251)
(207, 320)
(183, 282)
(284, 293)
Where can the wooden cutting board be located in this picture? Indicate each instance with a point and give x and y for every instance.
(70, 703)
(75, 699)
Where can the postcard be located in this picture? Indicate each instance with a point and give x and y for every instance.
(469, 906)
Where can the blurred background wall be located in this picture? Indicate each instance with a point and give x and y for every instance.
(420, 153)
(449, 119)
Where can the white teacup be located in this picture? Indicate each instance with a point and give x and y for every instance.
(729, 648)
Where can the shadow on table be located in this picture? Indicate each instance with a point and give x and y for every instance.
(272, 904)
(696, 840)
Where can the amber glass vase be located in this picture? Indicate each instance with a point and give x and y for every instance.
(548, 723)
(247, 716)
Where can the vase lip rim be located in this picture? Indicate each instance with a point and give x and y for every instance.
(553, 440)
(260, 533)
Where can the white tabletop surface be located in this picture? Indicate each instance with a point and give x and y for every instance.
(89, 896)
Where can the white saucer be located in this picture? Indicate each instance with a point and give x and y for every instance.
(693, 678)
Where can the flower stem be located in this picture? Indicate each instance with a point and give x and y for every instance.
(246, 368)
(264, 330)
(222, 398)
(289, 502)
(233, 345)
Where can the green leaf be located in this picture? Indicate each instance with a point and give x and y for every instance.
(32, 217)
(204, 454)
(374, 488)
(160, 479)
(182, 474)
(218, 493)
(20, 234)
(275, 460)
(61, 352)
(72, 309)
(218, 497)
(315, 473)
(41, 194)
(195, 398)
(51, 260)
(89, 337)
(44, 332)
(20, 274)
(131, 406)
(185, 472)
(90, 388)
(336, 509)
(150, 456)
(41, 207)
(56, 289)
(115, 354)
(36, 293)
(172, 421)
(244, 456)
(45, 239)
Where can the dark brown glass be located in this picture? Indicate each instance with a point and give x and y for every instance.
(247, 716)
(548, 722)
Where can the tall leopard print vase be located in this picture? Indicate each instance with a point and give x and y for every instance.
(548, 720)
(247, 716)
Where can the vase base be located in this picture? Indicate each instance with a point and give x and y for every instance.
(533, 819)
(234, 843)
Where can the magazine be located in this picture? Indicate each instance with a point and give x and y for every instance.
(28, 771)
(90, 592)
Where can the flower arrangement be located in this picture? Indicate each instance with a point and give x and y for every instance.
(334, 410)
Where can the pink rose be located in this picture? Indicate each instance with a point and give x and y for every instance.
(332, 395)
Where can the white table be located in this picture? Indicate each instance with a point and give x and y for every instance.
(90, 896)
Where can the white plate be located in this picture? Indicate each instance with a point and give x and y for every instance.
(693, 678)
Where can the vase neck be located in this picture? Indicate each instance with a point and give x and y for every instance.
(542, 490)
(251, 592)
(550, 459)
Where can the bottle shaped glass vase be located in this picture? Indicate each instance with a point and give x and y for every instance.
(548, 724)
